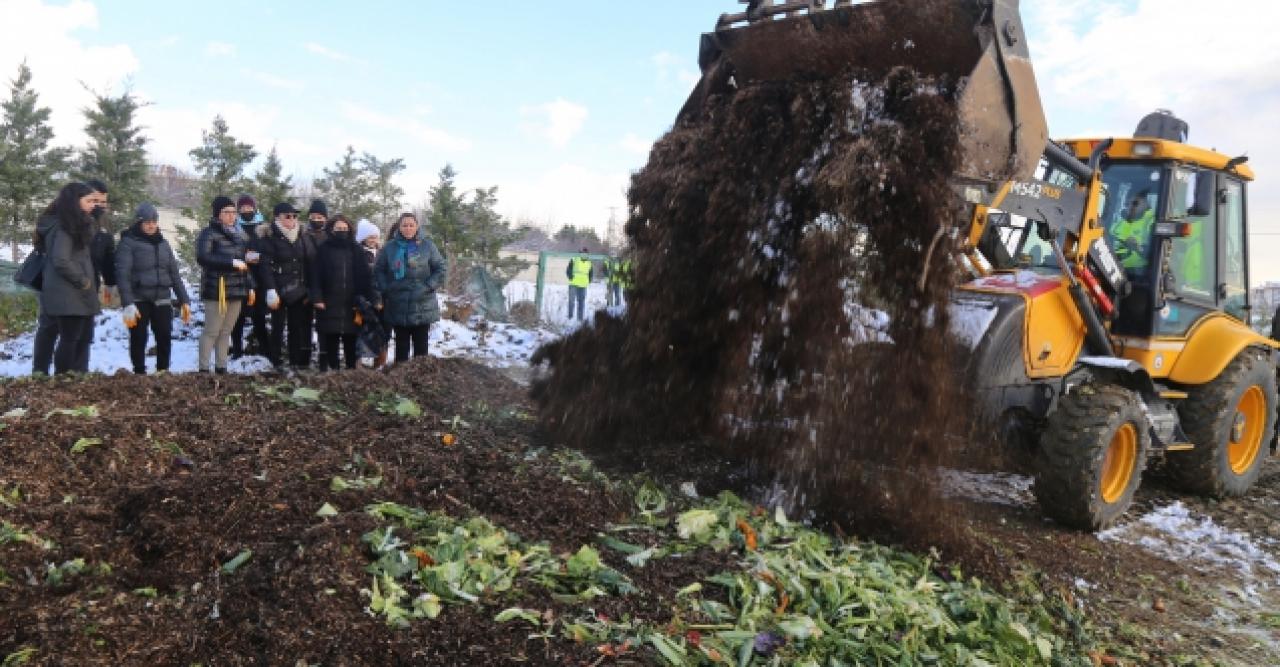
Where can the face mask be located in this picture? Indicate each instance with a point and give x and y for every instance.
(342, 236)
(98, 212)
(317, 224)
(247, 217)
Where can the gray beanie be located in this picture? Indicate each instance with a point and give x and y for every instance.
(146, 212)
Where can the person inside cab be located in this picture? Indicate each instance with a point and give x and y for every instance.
(1132, 233)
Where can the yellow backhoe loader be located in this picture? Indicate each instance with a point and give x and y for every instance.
(1110, 277)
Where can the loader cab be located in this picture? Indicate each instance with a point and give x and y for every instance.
(1188, 256)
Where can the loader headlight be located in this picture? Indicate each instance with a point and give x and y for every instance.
(1144, 150)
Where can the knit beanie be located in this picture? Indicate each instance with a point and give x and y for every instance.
(318, 206)
(365, 230)
(220, 202)
(146, 213)
(246, 200)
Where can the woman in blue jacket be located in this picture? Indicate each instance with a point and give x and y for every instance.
(408, 272)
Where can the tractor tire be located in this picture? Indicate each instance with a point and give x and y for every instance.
(1230, 421)
(1091, 456)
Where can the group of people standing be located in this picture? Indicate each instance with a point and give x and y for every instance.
(285, 277)
(331, 276)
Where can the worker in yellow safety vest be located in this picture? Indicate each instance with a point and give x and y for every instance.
(618, 278)
(1132, 234)
(580, 271)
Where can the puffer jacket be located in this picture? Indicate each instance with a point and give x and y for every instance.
(339, 274)
(406, 277)
(147, 269)
(69, 285)
(216, 248)
(284, 263)
(103, 252)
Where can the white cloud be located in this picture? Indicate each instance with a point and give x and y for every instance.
(558, 122)
(219, 49)
(174, 131)
(1104, 71)
(430, 136)
(634, 144)
(44, 36)
(567, 194)
(331, 54)
(268, 79)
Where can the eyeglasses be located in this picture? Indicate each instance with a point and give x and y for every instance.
(289, 216)
(228, 211)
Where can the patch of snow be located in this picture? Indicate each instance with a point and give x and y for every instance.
(1108, 362)
(555, 301)
(1001, 488)
(970, 319)
(1174, 532)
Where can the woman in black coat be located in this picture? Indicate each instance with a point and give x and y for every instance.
(147, 271)
(339, 274)
(69, 295)
(283, 273)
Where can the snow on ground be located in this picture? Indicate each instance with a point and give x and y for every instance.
(1175, 532)
(555, 301)
(491, 343)
(995, 487)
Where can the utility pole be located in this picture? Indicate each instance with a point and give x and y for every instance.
(610, 238)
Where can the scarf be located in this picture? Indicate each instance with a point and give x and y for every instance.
(153, 239)
(404, 248)
(292, 235)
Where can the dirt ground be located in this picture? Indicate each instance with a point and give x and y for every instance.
(191, 471)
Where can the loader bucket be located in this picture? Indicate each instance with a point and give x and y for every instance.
(979, 43)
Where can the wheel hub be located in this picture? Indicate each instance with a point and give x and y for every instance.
(1237, 427)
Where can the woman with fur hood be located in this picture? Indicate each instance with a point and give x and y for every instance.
(287, 254)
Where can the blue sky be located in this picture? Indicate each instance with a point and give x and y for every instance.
(557, 102)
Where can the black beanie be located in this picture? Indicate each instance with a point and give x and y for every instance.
(220, 202)
(317, 206)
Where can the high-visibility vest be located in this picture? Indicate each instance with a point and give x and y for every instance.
(624, 277)
(1140, 232)
(581, 272)
(1188, 262)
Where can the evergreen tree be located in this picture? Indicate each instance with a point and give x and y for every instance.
(117, 151)
(29, 167)
(272, 187)
(220, 160)
(444, 221)
(347, 188)
(386, 195)
(487, 231)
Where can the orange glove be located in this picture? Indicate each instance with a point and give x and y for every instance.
(130, 315)
(253, 297)
(359, 320)
(186, 314)
(106, 295)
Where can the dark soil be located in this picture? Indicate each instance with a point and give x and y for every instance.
(767, 224)
(194, 469)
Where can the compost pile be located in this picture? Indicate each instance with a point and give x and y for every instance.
(791, 244)
(173, 520)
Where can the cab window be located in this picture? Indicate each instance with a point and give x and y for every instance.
(1129, 207)
(1234, 279)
